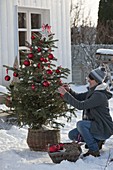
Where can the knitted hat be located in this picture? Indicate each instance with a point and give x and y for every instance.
(98, 74)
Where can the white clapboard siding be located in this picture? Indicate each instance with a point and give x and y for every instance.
(7, 36)
(59, 21)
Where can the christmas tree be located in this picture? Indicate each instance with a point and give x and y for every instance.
(34, 97)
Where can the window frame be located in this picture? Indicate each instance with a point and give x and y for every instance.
(45, 15)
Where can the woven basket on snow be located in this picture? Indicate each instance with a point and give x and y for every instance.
(38, 140)
(71, 153)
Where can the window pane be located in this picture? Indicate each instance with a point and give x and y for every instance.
(35, 21)
(22, 20)
(22, 38)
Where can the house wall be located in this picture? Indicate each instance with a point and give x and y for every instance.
(59, 21)
(8, 36)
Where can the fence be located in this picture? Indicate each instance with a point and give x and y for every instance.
(83, 61)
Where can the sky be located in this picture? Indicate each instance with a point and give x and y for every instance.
(16, 155)
(92, 6)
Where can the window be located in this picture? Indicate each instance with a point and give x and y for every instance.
(30, 20)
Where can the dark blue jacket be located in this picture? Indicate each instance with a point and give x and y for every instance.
(95, 106)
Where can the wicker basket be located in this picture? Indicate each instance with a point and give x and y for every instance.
(71, 153)
(38, 140)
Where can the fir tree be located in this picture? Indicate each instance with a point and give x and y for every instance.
(35, 100)
(105, 22)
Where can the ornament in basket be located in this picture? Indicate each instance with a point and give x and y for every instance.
(64, 151)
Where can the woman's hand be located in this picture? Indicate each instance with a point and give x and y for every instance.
(62, 90)
(66, 86)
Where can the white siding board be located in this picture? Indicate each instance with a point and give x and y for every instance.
(59, 21)
(0, 47)
(59, 33)
(48, 4)
(10, 30)
(68, 39)
(4, 40)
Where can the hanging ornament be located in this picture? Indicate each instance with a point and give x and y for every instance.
(32, 37)
(31, 48)
(46, 83)
(39, 49)
(61, 95)
(33, 87)
(42, 59)
(30, 55)
(58, 71)
(59, 81)
(15, 74)
(7, 77)
(49, 71)
(26, 63)
(40, 66)
(50, 56)
(45, 60)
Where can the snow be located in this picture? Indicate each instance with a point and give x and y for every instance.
(15, 154)
(104, 51)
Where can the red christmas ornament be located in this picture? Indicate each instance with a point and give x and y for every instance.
(53, 148)
(15, 74)
(7, 77)
(45, 60)
(50, 56)
(33, 87)
(26, 63)
(39, 66)
(39, 49)
(59, 82)
(46, 83)
(61, 146)
(30, 56)
(42, 59)
(30, 48)
(58, 71)
(61, 95)
(49, 71)
(32, 37)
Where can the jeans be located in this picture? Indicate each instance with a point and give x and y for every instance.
(82, 133)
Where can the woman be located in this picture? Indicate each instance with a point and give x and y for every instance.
(96, 125)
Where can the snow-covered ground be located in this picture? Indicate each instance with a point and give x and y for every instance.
(15, 154)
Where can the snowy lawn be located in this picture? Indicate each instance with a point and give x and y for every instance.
(15, 154)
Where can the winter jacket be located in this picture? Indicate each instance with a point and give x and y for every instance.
(95, 106)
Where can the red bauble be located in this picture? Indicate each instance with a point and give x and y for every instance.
(61, 95)
(7, 78)
(26, 62)
(33, 87)
(45, 60)
(32, 37)
(39, 49)
(15, 74)
(30, 56)
(49, 71)
(50, 56)
(42, 59)
(46, 83)
(58, 71)
(53, 148)
(40, 66)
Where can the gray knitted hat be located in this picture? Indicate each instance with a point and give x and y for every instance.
(98, 74)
